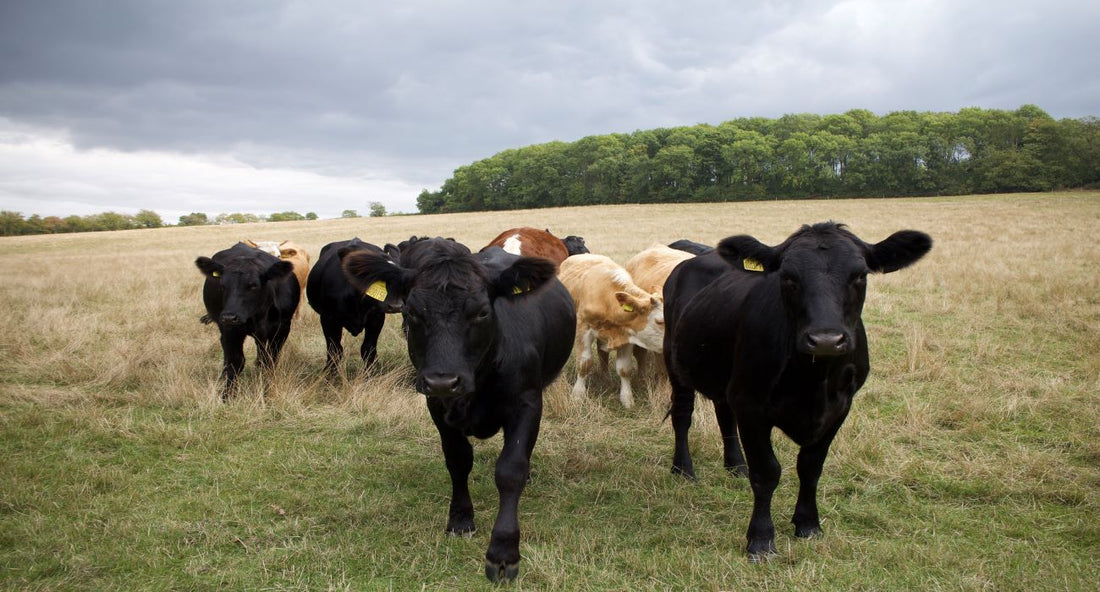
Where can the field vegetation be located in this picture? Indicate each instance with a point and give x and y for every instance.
(971, 459)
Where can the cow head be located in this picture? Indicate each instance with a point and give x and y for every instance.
(449, 300)
(392, 301)
(243, 285)
(574, 245)
(821, 272)
(642, 316)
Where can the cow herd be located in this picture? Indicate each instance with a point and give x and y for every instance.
(771, 335)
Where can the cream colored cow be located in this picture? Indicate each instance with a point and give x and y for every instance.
(612, 313)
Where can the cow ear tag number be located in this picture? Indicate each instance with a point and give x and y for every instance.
(752, 265)
(377, 290)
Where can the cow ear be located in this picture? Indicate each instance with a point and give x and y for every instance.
(899, 250)
(280, 269)
(393, 251)
(631, 304)
(745, 252)
(524, 275)
(209, 267)
(375, 275)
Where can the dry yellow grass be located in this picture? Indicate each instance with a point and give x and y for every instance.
(985, 374)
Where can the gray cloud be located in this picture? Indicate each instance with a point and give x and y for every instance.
(406, 92)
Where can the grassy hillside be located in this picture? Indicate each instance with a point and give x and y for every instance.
(971, 459)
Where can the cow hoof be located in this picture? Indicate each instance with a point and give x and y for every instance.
(808, 532)
(501, 572)
(465, 532)
(686, 473)
(762, 552)
(762, 557)
(738, 470)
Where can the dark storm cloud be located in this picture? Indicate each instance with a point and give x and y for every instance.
(407, 91)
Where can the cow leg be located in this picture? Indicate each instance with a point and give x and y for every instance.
(369, 350)
(683, 405)
(585, 340)
(334, 349)
(625, 366)
(641, 360)
(232, 358)
(732, 458)
(811, 459)
(521, 430)
(268, 348)
(764, 472)
(459, 457)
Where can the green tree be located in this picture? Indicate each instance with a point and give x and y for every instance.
(289, 216)
(111, 221)
(311, 215)
(12, 223)
(237, 218)
(148, 219)
(377, 210)
(194, 219)
(349, 214)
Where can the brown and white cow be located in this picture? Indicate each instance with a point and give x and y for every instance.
(613, 313)
(532, 242)
(289, 251)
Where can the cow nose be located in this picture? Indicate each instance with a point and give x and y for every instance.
(826, 343)
(229, 318)
(441, 384)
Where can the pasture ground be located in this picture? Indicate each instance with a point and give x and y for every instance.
(971, 459)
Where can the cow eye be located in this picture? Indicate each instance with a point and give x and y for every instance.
(483, 314)
(789, 283)
(859, 279)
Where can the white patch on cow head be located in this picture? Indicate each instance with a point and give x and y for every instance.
(270, 247)
(652, 336)
(512, 245)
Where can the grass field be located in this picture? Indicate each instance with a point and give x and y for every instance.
(970, 461)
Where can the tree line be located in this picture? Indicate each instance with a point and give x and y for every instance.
(854, 154)
(15, 224)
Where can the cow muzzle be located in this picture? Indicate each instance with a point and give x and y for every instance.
(439, 384)
(230, 319)
(827, 342)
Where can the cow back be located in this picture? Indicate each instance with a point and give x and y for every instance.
(531, 242)
(330, 293)
(650, 268)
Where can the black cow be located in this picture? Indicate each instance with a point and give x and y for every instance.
(773, 336)
(691, 246)
(342, 306)
(248, 293)
(486, 333)
(574, 245)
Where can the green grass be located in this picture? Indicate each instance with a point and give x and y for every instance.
(971, 459)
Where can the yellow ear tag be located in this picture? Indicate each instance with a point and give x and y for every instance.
(752, 265)
(377, 290)
(628, 307)
(216, 273)
(516, 290)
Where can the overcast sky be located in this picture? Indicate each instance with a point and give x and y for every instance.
(265, 106)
